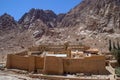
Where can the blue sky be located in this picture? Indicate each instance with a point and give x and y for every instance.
(17, 8)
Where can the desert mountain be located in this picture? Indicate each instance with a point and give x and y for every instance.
(91, 22)
(47, 17)
(39, 21)
(7, 22)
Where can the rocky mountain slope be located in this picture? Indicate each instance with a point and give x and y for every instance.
(92, 22)
(99, 15)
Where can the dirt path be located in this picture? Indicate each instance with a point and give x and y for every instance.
(112, 71)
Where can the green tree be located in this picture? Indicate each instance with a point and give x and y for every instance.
(115, 50)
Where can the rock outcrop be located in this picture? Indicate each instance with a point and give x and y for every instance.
(47, 17)
(96, 15)
(7, 22)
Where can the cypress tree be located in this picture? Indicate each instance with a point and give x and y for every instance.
(116, 51)
(114, 47)
(110, 46)
(118, 45)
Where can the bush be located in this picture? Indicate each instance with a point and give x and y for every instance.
(117, 71)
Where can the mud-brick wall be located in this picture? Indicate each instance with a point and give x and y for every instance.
(94, 65)
(17, 62)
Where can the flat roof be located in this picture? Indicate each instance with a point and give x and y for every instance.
(57, 55)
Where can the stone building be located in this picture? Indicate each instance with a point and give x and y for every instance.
(58, 59)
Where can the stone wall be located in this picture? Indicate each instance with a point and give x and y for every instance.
(57, 48)
(17, 62)
(53, 65)
(93, 64)
(56, 65)
(39, 62)
(30, 63)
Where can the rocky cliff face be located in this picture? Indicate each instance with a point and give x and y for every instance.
(96, 15)
(39, 21)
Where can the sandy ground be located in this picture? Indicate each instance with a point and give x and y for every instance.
(11, 76)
